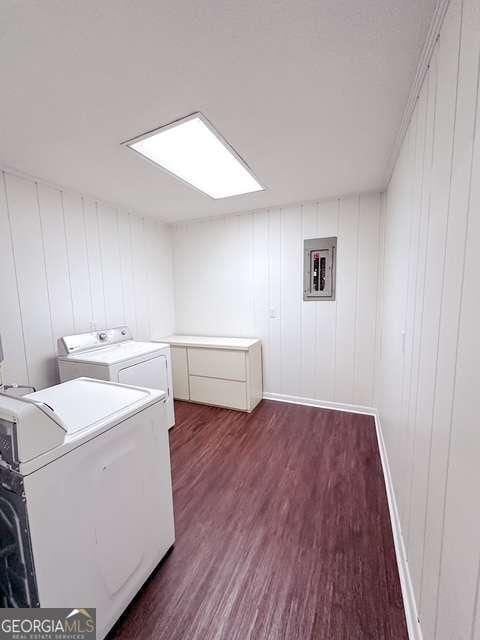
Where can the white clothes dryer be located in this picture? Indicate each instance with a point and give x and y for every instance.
(113, 355)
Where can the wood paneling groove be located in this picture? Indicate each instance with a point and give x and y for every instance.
(88, 256)
(356, 303)
(13, 327)
(42, 235)
(417, 191)
(70, 289)
(64, 270)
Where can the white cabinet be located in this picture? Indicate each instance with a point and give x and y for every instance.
(226, 372)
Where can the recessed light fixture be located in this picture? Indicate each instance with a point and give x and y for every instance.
(193, 151)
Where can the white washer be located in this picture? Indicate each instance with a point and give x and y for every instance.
(85, 496)
(113, 355)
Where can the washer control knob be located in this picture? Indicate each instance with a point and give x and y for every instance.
(102, 336)
(124, 333)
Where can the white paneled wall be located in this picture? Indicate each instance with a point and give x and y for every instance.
(69, 264)
(430, 347)
(243, 276)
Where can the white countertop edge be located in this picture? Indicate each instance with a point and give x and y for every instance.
(209, 342)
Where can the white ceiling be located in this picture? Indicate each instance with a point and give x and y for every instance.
(309, 92)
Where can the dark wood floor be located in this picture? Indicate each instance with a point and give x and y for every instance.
(282, 532)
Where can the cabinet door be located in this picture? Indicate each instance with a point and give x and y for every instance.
(180, 373)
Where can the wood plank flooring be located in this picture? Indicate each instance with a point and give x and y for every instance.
(282, 532)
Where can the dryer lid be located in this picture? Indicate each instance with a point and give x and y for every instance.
(84, 402)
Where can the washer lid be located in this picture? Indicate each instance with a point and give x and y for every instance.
(84, 402)
(116, 352)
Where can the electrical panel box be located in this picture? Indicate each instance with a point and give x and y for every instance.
(319, 268)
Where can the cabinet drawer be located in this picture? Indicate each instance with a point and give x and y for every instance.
(217, 363)
(224, 393)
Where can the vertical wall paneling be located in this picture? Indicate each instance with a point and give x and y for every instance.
(459, 561)
(217, 278)
(140, 276)
(291, 298)
(181, 262)
(11, 323)
(111, 265)
(380, 298)
(396, 343)
(324, 353)
(128, 262)
(150, 240)
(417, 450)
(347, 298)
(56, 261)
(71, 264)
(367, 266)
(126, 265)
(32, 279)
(430, 425)
(459, 210)
(160, 277)
(309, 381)
(260, 286)
(162, 280)
(416, 282)
(404, 277)
(77, 261)
(95, 267)
(459, 574)
(231, 271)
(447, 71)
(407, 269)
(273, 355)
(245, 233)
(249, 281)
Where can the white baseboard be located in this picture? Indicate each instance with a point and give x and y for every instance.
(323, 404)
(409, 603)
(414, 629)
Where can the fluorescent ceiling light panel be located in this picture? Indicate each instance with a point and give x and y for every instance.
(193, 151)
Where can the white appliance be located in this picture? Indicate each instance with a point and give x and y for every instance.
(113, 355)
(85, 496)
